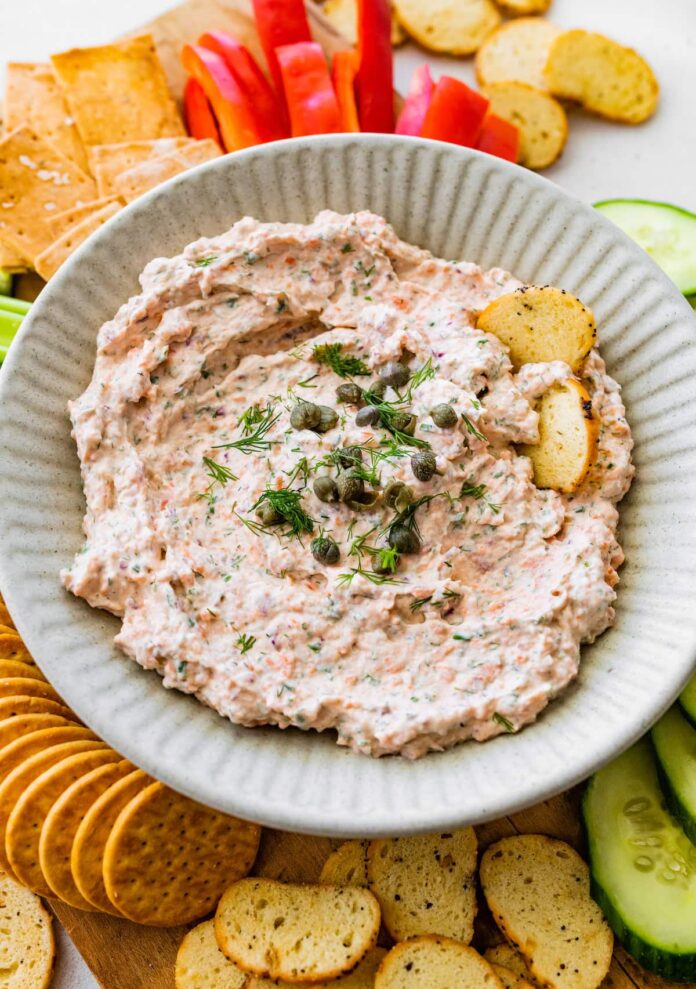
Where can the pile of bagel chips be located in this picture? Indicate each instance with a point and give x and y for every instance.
(80, 823)
(83, 136)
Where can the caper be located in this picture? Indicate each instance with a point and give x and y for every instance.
(369, 416)
(325, 489)
(398, 495)
(328, 418)
(350, 393)
(395, 374)
(268, 514)
(325, 550)
(305, 415)
(403, 539)
(405, 422)
(378, 389)
(364, 502)
(444, 416)
(349, 456)
(350, 487)
(423, 465)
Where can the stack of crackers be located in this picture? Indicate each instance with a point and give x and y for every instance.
(84, 135)
(80, 823)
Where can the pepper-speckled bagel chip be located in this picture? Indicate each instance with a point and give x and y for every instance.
(27, 948)
(27, 687)
(201, 965)
(25, 724)
(14, 785)
(168, 859)
(87, 855)
(61, 825)
(23, 829)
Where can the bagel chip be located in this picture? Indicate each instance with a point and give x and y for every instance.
(428, 961)
(23, 775)
(517, 52)
(362, 976)
(347, 866)
(27, 948)
(540, 119)
(61, 825)
(568, 432)
(87, 853)
(456, 26)
(343, 15)
(23, 829)
(201, 965)
(517, 8)
(203, 849)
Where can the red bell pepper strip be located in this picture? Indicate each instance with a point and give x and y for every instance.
(280, 22)
(375, 81)
(310, 97)
(230, 104)
(499, 137)
(242, 65)
(198, 113)
(345, 67)
(456, 113)
(418, 98)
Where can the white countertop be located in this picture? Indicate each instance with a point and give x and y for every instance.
(601, 161)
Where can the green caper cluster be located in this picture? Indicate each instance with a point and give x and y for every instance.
(318, 418)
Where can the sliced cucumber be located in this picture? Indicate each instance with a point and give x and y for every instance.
(687, 700)
(666, 232)
(674, 740)
(643, 866)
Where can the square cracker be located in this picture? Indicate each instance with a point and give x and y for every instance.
(106, 161)
(11, 258)
(35, 181)
(49, 261)
(139, 179)
(118, 92)
(34, 99)
(60, 223)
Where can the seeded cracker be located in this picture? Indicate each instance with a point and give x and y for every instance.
(61, 825)
(204, 851)
(24, 825)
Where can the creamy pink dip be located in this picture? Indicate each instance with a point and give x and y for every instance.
(485, 623)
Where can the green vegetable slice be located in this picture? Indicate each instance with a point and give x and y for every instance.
(687, 700)
(5, 282)
(674, 740)
(666, 232)
(643, 866)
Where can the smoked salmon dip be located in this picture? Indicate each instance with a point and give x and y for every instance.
(305, 500)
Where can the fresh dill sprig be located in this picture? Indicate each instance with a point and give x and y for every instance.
(424, 373)
(407, 517)
(302, 469)
(418, 603)
(255, 424)
(345, 366)
(219, 474)
(204, 262)
(245, 642)
(501, 720)
(478, 491)
(470, 428)
(389, 415)
(346, 579)
(287, 504)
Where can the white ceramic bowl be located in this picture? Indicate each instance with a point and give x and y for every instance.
(459, 204)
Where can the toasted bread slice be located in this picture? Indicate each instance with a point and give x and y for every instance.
(518, 8)
(604, 76)
(517, 52)
(28, 949)
(201, 965)
(505, 956)
(347, 866)
(426, 884)
(540, 119)
(568, 433)
(541, 324)
(343, 14)
(428, 962)
(362, 977)
(538, 890)
(293, 932)
(456, 26)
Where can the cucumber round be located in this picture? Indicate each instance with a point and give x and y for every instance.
(666, 232)
(642, 865)
(674, 741)
(687, 700)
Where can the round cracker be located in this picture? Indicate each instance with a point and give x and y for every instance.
(24, 724)
(15, 753)
(87, 855)
(456, 26)
(12, 788)
(27, 687)
(24, 824)
(168, 859)
(16, 668)
(62, 822)
(201, 965)
(10, 707)
(27, 948)
(12, 647)
(5, 617)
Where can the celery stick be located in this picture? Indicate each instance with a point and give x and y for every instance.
(5, 282)
(8, 304)
(9, 324)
